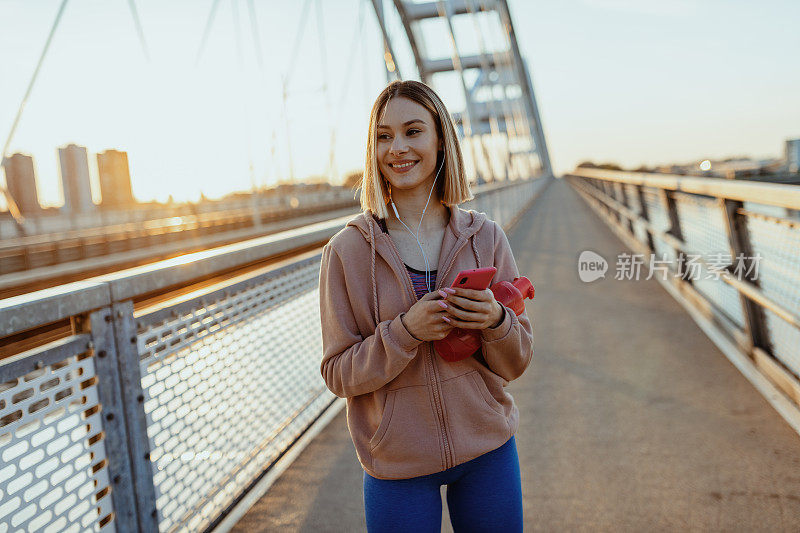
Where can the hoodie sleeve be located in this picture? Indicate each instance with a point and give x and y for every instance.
(508, 347)
(353, 365)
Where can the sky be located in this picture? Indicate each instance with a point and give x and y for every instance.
(626, 81)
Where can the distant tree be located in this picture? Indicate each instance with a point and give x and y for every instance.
(606, 166)
(314, 180)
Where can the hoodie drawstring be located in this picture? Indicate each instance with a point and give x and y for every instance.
(372, 258)
(475, 250)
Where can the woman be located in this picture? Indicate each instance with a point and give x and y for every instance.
(417, 421)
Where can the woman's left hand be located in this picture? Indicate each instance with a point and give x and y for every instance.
(471, 309)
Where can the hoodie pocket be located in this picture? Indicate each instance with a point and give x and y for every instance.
(406, 443)
(385, 419)
(478, 423)
(483, 389)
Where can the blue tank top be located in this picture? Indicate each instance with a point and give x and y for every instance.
(418, 280)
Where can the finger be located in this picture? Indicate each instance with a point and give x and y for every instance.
(430, 295)
(472, 294)
(438, 315)
(468, 316)
(446, 329)
(464, 324)
(467, 304)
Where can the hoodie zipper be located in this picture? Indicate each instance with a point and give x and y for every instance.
(431, 368)
(449, 459)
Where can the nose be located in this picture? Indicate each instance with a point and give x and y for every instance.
(398, 146)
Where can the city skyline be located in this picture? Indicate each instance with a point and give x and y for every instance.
(173, 117)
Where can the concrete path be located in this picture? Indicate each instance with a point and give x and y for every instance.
(630, 418)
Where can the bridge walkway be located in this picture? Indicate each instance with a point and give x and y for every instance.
(630, 418)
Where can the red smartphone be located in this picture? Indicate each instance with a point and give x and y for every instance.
(475, 278)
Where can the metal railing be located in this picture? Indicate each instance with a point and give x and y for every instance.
(732, 249)
(177, 386)
(40, 261)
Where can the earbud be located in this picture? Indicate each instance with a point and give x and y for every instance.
(415, 235)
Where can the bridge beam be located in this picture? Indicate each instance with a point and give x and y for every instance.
(428, 10)
(434, 66)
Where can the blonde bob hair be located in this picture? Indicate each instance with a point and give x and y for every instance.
(453, 189)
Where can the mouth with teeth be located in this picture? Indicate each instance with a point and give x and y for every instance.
(402, 166)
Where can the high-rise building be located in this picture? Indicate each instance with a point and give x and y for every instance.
(115, 179)
(793, 155)
(74, 165)
(21, 183)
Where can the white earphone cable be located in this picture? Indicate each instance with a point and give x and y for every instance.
(416, 235)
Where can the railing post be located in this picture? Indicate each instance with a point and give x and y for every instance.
(606, 189)
(596, 184)
(125, 333)
(98, 324)
(643, 211)
(611, 190)
(624, 200)
(671, 208)
(756, 331)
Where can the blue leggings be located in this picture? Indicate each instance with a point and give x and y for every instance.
(484, 494)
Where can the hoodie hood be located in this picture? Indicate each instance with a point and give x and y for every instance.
(463, 225)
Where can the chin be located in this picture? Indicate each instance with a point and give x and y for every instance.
(403, 181)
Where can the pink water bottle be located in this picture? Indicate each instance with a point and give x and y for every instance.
(461, 343)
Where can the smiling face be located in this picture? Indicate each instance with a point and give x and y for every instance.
(407, 144)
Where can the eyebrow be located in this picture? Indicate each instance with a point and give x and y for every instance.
(405, 123)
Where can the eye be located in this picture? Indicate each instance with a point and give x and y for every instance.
(383, 136)
(412, 131)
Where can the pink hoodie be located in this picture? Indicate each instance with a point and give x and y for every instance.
(410, 412)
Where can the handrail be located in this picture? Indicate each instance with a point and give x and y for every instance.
(167, 223)
(777, 194)
(27, 311)
(746, 288)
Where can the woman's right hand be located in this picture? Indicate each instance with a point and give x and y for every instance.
(425, 318)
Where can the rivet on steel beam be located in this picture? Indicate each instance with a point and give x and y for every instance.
(116, 479)
(119, 313)
(39, 364)
(101, 353)
(133, 340)
(140, 398)
(110, 416)
(107, 318)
